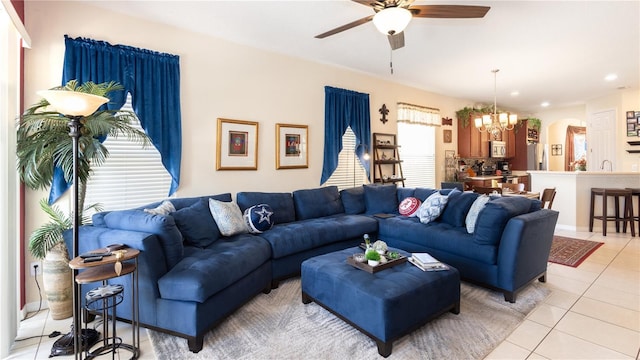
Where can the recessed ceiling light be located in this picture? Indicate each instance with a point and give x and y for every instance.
(515, 93)
(611, 77)
(545, 104)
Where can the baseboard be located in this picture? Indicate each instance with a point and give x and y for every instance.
(33, 307)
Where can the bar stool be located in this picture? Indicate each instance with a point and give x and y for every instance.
(636, 216)
(627, 216)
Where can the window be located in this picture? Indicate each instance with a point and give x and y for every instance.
(350, 172)
(131, 176)
(417, 139)
(417, 151)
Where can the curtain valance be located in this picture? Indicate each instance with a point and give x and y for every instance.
(418, 114)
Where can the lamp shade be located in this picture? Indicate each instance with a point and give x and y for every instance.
(73, 103)
(392, 20)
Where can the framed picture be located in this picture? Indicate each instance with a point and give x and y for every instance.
(631, 129)
(449, 154)
(556, 149)
(447, 136)
(631, 114)
(638, 119)
(237, 145)
(292, 146)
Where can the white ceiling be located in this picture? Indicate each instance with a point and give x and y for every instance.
(555, 51)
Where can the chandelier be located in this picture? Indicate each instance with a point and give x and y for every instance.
(496, 123)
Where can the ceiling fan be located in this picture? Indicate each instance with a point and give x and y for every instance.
(393, 16)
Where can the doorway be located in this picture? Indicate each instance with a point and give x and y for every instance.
(601, 139)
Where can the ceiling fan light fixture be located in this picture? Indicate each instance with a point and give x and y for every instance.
(392, 20)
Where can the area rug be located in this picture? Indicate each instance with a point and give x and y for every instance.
(571, 252)
(279, 326)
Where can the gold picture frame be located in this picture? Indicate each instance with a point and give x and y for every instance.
(237, 145)
(292, 146)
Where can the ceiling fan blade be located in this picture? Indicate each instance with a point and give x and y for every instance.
(449, 11)
(345, 27)
(396, 40)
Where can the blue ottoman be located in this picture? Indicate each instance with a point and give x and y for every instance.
(385, 305)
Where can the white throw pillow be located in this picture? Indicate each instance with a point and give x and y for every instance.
(165, 208)
(432, 207)
(228, 217)
(472, 215)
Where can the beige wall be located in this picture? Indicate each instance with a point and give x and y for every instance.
(219, 79)
(555, 122)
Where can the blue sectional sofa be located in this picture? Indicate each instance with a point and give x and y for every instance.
(191, 277)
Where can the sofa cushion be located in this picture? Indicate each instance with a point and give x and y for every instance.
(196, 224)
(432, 207)
(281, 204)
(315, 203)
(474, 211)
(353, 200)
(300, 236)
(228, 217)
(436, 235)
(404, 193)
(226, 261)
(163, 226)
(380, 199)
(409, 207)
(494, 217)
(165, 208)
(458, 205)
(258, 218)
(423, 193)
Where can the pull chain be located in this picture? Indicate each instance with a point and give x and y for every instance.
(391, 61)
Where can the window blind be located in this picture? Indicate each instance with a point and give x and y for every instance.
(417, 151)
(349, 172)
(131, 176)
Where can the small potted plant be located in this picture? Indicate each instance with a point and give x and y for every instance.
(373, 258)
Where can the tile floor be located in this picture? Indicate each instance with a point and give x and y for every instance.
(593, 312)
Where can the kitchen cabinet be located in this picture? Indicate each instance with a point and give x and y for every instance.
(471, 142)
(520, 135)
(524, 179)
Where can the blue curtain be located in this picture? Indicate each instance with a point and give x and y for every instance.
(152, 78)
(344, 108)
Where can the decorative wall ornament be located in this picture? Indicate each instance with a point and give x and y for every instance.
(447, 121)
(556, 149)
(384, 111)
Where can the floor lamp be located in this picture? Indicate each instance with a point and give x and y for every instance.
(74, 105)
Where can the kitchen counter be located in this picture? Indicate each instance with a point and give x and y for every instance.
(573, 193)
(485, 177)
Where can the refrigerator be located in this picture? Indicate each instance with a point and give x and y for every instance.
(535, 156)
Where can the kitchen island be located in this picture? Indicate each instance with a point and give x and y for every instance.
(573, 193)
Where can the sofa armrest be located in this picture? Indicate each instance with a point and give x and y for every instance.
(524, 248)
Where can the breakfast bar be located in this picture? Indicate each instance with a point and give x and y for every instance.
(573, 192)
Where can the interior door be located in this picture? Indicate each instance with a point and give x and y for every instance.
(601, 140)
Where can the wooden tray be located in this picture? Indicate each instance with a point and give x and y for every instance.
(374, 269)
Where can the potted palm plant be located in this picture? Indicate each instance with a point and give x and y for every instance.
(43, 143)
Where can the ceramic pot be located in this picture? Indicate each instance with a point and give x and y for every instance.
(57, 282)
(373, 262)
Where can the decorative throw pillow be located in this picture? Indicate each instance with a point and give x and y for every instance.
(432, 207)
(258, 218)
(196, 224)
(228, 217)
(409, 207)
(472, 215)
(165, 208)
